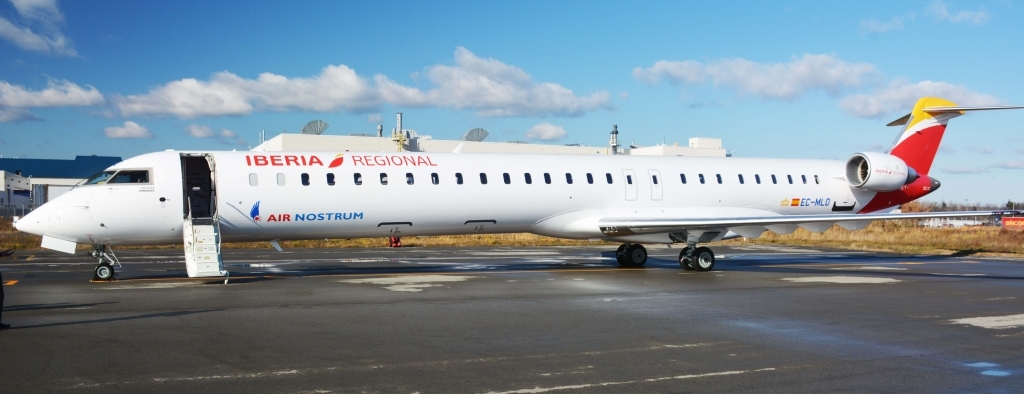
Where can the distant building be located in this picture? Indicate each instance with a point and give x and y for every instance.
(36, 181)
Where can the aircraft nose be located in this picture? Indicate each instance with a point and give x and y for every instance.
(32, 223)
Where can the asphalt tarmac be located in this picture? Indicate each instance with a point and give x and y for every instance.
(515, 320)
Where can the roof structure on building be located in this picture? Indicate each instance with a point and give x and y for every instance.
(80, 167)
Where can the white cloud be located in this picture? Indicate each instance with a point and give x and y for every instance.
(15, 100)
(39, 28)
(901, 96)
(546, 132)
(199, 131)
(964, 170)
(876, 26)
(1010, 165)
(939, 11)
(128, 130)
(226, 136)
(780, 81)
(15, 115)
(490, 87)
(374, 118)
(57, 94)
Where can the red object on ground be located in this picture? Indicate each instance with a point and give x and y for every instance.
(395, 242)
(1015, 223)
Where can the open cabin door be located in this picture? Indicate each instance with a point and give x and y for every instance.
(202, 224)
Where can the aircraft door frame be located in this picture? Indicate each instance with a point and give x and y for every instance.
(199, 185)
(630, 181)
(656, 180)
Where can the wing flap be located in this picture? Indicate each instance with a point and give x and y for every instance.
(782, 224)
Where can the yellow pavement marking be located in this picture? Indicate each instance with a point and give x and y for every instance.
(11, 282)
(30, 257)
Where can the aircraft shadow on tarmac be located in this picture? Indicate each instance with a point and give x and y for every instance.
(59, 305)
(114, 319)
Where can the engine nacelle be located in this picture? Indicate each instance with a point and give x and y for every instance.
(878, 172)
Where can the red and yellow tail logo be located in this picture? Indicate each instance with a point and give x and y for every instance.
(338, 159)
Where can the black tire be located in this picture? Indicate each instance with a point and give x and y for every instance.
(620, 255)
(636, 256)
(103, 272)
(685, 263)
(703, 259)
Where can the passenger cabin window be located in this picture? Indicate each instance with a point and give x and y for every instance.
(719, 177)
(458, 178)
(357, 178)
(529, 179)
(816, 180)
(654, 179)
(483, 178)
(383, 178)
(434, 178)
(134, 176)
(254, 179)
(547, 178)
(506, 178)
(305, 179)
(568, 178)
(409, 180)
(100, 178)
(590, 179)
(757, 178)
(701, 177)
(330, 179)
(629, 179)
(804, 178)
(280, 179)
(682, 177)
(790, 178)
(774, 181)
(608, 177)
(741, 178)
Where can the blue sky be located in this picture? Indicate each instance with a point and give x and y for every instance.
(788, 79)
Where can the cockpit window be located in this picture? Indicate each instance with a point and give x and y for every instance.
(131, 176)
(100, 178)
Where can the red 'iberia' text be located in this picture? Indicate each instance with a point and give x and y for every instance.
(282, 160)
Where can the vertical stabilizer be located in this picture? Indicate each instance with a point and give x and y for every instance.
(920, 138)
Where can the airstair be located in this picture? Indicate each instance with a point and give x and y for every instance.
(202, 248)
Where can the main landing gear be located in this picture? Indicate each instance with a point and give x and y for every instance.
(631, 255)
(105, 261)
(691, 258)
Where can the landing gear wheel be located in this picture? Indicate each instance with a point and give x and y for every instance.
(686, 263)
(703, 259)
(635, 256)
(620, 255)
(103, 272)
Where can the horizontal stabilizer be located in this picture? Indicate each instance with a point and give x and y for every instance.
(940, 110)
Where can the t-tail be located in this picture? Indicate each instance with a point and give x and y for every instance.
(916, 145)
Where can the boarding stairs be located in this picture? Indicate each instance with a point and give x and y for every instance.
(202, 248)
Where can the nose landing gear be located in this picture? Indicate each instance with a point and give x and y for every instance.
(105, 261)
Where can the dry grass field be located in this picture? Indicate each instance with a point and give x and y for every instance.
(894, 236)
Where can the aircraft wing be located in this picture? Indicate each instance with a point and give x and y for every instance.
(625, 226)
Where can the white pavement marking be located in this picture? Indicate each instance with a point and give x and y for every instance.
(993, 322)
(412, 283)
(166, 285)
(870, 267)
(945, 274)
(606, 384)
(841, 279)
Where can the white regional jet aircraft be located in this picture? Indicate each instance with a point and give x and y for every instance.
(204, 198)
